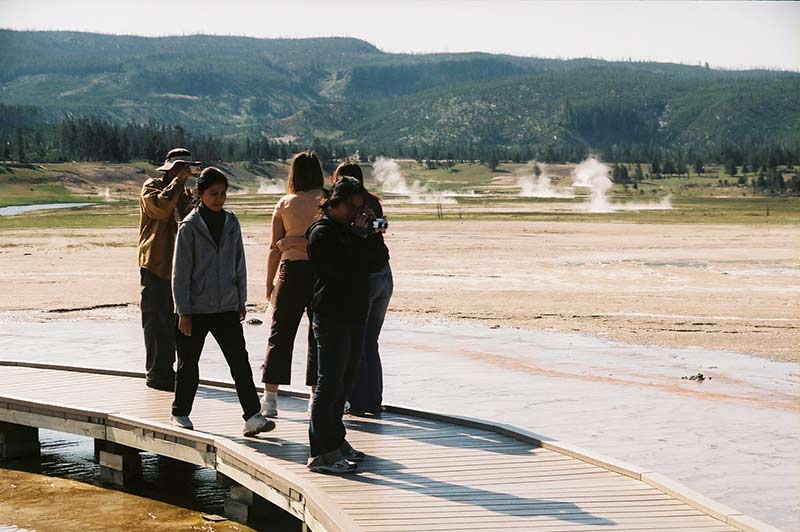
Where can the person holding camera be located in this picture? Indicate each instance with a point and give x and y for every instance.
(162, 204)
(209, 283)
(336, 245)
(366, 396)
(288, 256)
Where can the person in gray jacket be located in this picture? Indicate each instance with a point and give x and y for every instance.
(209, 286)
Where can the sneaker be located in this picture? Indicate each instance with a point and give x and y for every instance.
(256, 424)
(269, 404)
(339, 467)
(350, 454)
(181, 421)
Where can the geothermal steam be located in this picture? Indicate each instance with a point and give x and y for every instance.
(274, 186)
(593, 174)
(533, 186)
(387, 175)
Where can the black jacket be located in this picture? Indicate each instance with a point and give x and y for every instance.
(339, 260)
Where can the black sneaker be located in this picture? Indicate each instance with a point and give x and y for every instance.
(350, 454)
(353, 455)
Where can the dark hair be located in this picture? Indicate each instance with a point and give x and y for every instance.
(210, 177)
(305, 173)
(349, 169)
(345, 188)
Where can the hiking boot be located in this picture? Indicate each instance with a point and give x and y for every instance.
(257, 424)
(181, 421)
(269, 404)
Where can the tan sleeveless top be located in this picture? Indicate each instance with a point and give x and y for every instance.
(293, 215)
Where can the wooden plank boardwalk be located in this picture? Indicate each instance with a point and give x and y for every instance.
(424, 472)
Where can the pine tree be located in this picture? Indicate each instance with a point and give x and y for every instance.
(730, 167)
(638, 175)
(20, 146)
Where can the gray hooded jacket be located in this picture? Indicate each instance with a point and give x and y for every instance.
(206, 278)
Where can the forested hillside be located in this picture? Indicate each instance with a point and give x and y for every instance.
(349, 93)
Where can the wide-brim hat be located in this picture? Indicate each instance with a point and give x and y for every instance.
(178, 156)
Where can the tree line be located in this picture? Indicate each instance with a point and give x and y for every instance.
(26, 135)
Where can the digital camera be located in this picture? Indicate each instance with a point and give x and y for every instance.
(379, 225)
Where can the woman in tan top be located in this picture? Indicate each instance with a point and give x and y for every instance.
(291, 293)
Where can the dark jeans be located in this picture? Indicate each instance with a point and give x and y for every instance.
(227, 331)
(158, 321)
(293, 293)
(340, 345)
(367, 392)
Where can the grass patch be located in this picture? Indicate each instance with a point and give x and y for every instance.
(106, 216)
(12, 194)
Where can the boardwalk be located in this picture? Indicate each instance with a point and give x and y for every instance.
(424, 472)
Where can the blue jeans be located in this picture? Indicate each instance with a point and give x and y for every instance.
(339, 350)
(367, 392)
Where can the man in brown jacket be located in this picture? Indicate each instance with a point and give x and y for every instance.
(163, 203)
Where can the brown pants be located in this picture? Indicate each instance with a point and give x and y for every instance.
(293, 293)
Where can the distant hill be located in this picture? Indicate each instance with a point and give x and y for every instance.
(348, 91)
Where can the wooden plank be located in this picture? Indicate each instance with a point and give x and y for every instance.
(691, 497)
(444, 506)
(543, 523)
(475, 514)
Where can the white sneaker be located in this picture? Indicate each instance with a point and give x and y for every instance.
(269, 404)
(256, 424)
(181, 421)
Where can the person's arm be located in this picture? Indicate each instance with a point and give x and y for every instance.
(241, 273)
(274, 257)
(184, 204)
(159, 204)
(182, 264)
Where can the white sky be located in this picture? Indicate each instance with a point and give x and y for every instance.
(725, 34)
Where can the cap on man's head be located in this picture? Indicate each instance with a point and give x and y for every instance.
(176, 156)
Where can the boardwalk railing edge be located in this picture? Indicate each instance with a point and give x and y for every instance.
(290, 492)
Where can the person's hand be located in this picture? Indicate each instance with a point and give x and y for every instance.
(185, 325)
(242, 314)
(185, 173)
(370, 213)
(270, 289)
(362, 222)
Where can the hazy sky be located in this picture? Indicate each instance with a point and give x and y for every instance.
(727, 34)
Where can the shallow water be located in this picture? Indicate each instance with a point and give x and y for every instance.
(171, 495)
(733, 437)
(22, 209)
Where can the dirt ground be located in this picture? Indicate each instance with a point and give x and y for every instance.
(728, 287)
